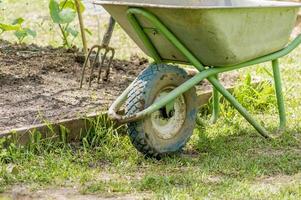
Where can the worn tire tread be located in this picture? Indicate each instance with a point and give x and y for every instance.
(133, 105)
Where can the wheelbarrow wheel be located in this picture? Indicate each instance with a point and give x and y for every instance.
(167, 130)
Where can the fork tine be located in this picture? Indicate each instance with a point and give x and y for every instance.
(101, 65)
(93, 65)
(108, 68)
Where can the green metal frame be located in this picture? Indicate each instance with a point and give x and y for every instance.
(210, 73)
(215, 104)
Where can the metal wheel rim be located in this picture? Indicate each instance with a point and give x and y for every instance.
(168, 128)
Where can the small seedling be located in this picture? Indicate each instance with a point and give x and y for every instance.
(19, 31)
(22, 33)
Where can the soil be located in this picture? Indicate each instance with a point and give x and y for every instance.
(42, 83)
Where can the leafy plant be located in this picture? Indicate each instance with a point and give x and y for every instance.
(63, 13)
(256, 98)
(20, 32)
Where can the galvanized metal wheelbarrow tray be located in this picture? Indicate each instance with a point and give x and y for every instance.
(214, 36)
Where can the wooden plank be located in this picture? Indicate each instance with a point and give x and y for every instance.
(75, 128)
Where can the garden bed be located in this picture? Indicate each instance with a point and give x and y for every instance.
(41, 84)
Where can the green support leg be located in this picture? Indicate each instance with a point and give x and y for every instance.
(279, 95)
(215, 104)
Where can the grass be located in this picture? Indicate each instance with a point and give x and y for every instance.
(226, 160)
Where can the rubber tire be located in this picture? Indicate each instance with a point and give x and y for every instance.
(143, 93)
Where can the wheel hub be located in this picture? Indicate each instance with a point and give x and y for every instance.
(169, 120)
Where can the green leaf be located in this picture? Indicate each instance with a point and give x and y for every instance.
(31, 32)
(10, 27)
(21, 34)
(60, 16)
(54, 11)
(71, 4)
(67, 15)
(72, 31)
(19, 20)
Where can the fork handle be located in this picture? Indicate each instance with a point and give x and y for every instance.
(107, 36)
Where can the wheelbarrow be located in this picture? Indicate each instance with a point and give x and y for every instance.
(214, 36)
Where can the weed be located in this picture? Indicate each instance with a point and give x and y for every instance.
(256, 98)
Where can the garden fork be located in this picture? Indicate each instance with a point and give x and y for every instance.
(107, 50)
